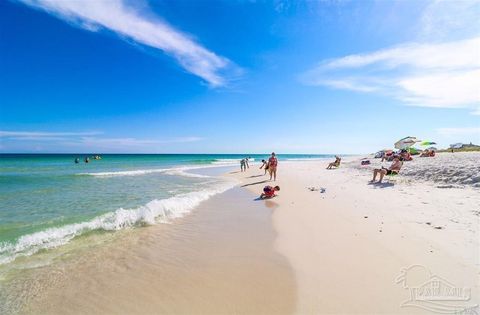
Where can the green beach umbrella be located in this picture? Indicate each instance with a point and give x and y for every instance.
(425, 143)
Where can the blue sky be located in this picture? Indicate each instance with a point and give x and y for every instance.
(237, 76)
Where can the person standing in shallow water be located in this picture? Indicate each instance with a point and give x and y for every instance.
(272, 166)
(243, 166)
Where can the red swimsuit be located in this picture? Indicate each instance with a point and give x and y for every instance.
(272, 162)
(269, 191)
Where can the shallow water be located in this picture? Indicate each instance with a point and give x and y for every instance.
(48, 200)
(218, 259)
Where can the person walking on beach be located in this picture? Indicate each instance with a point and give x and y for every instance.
(272, 166)
(246, 161)
(243, 165)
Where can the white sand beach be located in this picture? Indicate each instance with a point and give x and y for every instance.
(329, 243)
(349, 245)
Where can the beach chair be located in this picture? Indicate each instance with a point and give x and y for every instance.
(392, 177)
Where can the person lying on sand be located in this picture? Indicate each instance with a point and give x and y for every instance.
(334, 164)
(394, 168)
(428, 153)
(269, 192)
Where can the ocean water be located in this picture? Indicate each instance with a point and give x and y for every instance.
(47, 201)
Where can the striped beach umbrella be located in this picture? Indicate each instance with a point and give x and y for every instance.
(406, 143)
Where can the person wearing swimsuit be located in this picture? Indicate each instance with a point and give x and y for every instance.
(264, 166)
(272, 166)
(269, 192)
(394, 168)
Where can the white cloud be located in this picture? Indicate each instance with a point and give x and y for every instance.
(89, 139)
(460, 131)
(432, 75)
(128, 142)
(41, 135)
(444, 19)
(449, 55)
(440, 69)
(116, 16)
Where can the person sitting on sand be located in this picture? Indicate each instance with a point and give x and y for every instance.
(425, 153)
(393, 169)
(334, 164)
(264, 164)
(428, 153)
(269, 192)
(272, 166)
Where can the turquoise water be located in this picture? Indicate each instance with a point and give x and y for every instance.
(48, 200)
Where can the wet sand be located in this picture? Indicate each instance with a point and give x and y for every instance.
(220, 259)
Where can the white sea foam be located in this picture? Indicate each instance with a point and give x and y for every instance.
(126, 173)
(230, 161)
(184, 173)
(178, 171)
(156, 211)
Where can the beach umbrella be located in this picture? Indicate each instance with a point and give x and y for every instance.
(406, 142)
(425, 143)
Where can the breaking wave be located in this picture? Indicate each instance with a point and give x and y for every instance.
(156, 211)
(181, 171)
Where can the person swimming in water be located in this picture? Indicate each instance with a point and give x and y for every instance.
(77, 160)
(87, 159)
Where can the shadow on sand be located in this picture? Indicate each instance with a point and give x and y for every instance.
(255, 183)
(382, 185)
(253, 176)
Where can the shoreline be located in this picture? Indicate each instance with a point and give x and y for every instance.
(218, 259)
(353, 242)
(301, 252)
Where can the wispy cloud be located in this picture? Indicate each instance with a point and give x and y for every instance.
(444, 19)
(142, 28)
(460, 131)
(442, 70)
(432, 75)
(90, 139)
(42, 135)
(129, 142)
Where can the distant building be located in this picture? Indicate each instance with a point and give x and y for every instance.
(463, 146)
